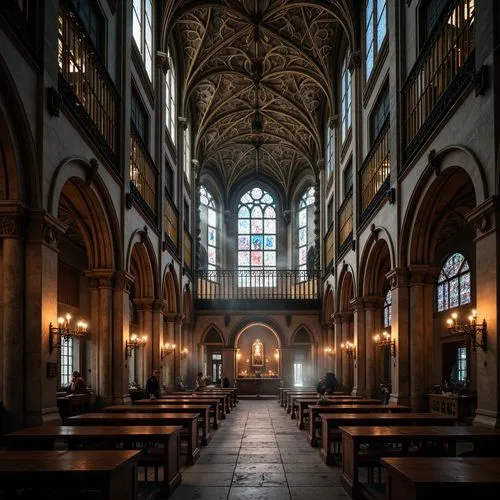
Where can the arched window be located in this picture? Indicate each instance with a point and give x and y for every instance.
(388, 310)
(142, 31)
(375, 31)
(306, 237)
(330, 151)
(257, 242)
(453, 284)
(187, 153)
(209, 227)
(346, 99)
(170, 100)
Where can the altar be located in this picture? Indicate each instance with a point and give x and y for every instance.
(258, 385)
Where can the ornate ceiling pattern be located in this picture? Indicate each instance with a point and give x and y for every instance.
(258, 78)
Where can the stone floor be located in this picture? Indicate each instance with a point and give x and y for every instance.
(259, 454)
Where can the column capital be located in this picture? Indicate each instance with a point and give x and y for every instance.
(144, 304)
(337, 318)
(12, 219)
(123, 281)
(100, 278)
(484, 217)
(357, 304)
(45, 228)
(373, 301)
(399, 276)
(159, 305)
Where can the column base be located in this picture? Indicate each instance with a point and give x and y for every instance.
(487, 418)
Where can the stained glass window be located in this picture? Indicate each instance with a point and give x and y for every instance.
(171, 100)
(388, 310)
(330, 151)
(375, 31)
(346, 100)
(209, 227)
(306, 237)
(454, 283)
(461, 364)
(257, 241)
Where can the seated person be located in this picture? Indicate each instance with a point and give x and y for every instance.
(77, 384)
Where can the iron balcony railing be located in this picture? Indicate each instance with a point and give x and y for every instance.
(268, 284)
(171, 220)
(442, 70)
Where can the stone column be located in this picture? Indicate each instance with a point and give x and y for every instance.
(229, 363)
(422, 281)
(157, 324)
(360, 342)
(12, 385)
(145, 309)
(287, 366)
(373, 325)
(399, 278)
(337, 326)
(484, 218)
(168, 359)
(44, 232)
(178, 345)
(347, 360)
(101, 328)
(330, 342)
(121, 289)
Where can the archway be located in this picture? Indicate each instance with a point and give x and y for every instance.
(213, 352)
(302, 344)
(344, 332)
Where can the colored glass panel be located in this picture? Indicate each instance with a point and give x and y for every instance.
(454, 297)
(212, 236)
(440, 298)
(246, 199)
(270, 243)
(256, 212)
(257, 242)
(212, 257)
(267, 199)
(244, 226)
(257, 226)
(302, 256)
(270, 226)
(302, 236)
(212, 218)
(270, 213)
(270, 259)
(257, 193)
(244, 213)
(243, 258)
(257, 259)
(302, 218)
(465, 295)
(244, 243)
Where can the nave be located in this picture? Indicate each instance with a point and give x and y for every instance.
(259, 453)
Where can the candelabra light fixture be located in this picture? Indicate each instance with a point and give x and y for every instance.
(184, 352)
(476, 332)
(329, 351)
(276, 354)
(167, 349)
(349, 348)
(64, 331)
(238, 354)
(386, 342)
(134, 343)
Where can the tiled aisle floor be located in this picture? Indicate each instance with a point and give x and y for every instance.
(259, 453)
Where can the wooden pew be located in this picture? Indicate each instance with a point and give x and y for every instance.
(167, 454)
(314, 411)
(213, 403)
(73, 404)
(112, 473)
(223, 399)
(331, 435)
(282, 391)
(189, 421)
(432, 439)
(439, 478)
(203, 411)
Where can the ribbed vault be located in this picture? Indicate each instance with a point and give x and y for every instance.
(258, 80)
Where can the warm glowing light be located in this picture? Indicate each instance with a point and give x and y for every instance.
(450, 322)
(133, 337)
(60, 320)
(454, 315)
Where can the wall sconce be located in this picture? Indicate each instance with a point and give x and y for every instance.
(166, 350)
(385, 341)
(472, 330)
(64, 331)
(184, 352)
(349, 348)
(134, 343)
(329, 351)
(276, 354)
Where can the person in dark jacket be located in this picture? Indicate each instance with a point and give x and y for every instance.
(225, 381)
(153, 386)
(330, 383)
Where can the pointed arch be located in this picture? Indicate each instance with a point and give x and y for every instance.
(302, 335)
(346, 289)
(263, 321)
(171, 290)
(213, 335)
(187, 306)
(328, 305)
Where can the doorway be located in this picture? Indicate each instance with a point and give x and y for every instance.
(216, 370)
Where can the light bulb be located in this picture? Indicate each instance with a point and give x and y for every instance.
(60, 320)
(454, 315)
(133, 337)
(450, 322)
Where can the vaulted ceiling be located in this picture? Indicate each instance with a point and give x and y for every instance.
(258, 78)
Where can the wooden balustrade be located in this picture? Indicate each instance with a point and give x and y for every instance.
(171, 220)
(345, 220)
(329, 248)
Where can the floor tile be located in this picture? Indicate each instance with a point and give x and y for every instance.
(259, 493)
(200, 492)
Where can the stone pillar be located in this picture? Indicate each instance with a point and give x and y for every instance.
(12, 385)
(399, 278)
(330, 342)
(40, 285)
(168, 359)
(122, 283)
(337, 326)
(484, 218)
(229, 363)
(347, 360)
(178, 345)
(422, 281)
(145, 307)
(286, 361)
(156, 335)
(360, 342)
(101, 328)
(373, 325)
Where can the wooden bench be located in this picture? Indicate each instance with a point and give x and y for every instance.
(69, 473)
(189, 422)
(331, 436)
(315, 422)
(439, 478)
(415, 441)
(160, 445)
(73, 404)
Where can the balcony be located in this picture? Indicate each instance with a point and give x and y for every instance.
(85, 85)
(258, 288)
(329, 249)
(171, 222)
(375, 173)
(345, 223)
(188, 250)
(143, 176)
(441, 73)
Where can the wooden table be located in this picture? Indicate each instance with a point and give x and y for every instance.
(213, 403)
(461, 407)
(431, 439)
(258, 385)
(189, 421)
(73, 404)
(167, 437)
(202, 410)
(302, 405)
(314, 411)
(304, 394)
(282, 391)
(231, 391)
(440, 478)
(331, 435)
(212, 393)
(113, 473)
